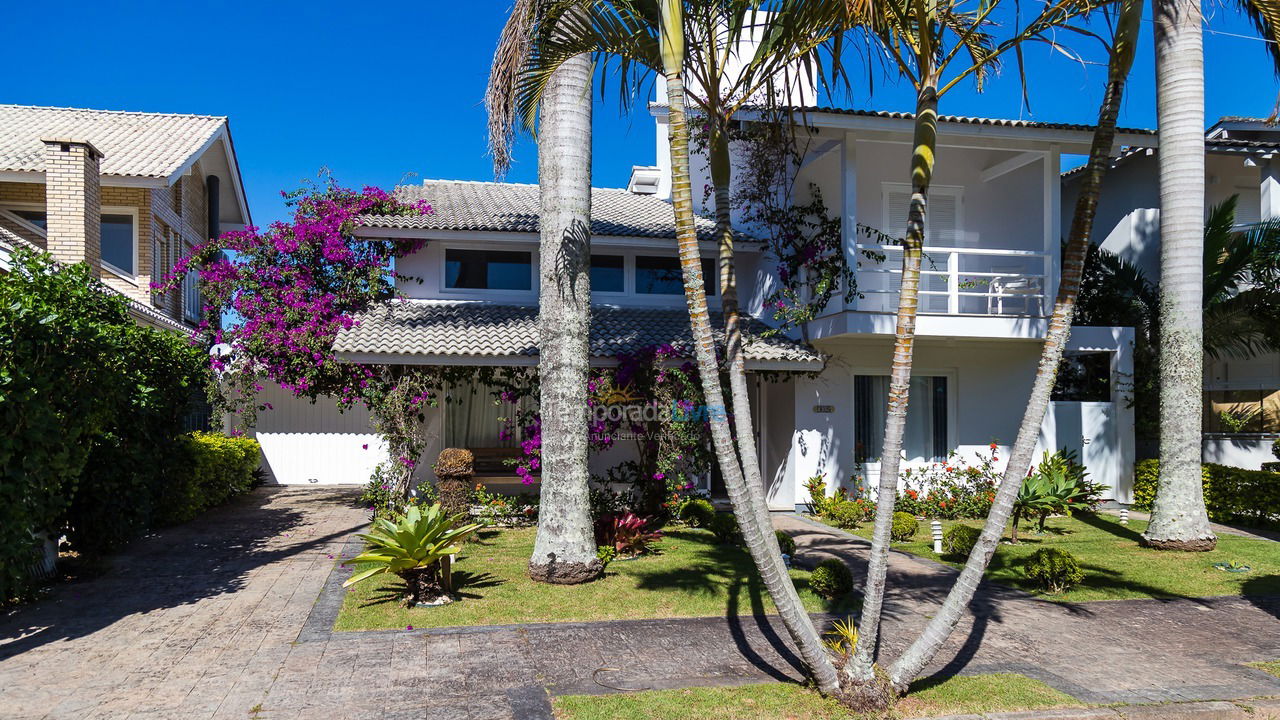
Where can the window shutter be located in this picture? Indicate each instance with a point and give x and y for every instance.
(897, 203)
(943, 220)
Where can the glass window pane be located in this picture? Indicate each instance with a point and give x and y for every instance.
(35, 217)
(662, 276)
(926, 435)
(488, 270)
(606, 273)
(117, 242)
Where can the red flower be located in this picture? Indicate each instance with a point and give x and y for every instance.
(994, 446)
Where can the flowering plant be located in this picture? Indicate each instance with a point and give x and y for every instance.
(951, 489)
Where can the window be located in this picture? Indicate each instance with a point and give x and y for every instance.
(926, 437)
(1083, 377)
(35, 217)
(118, 242)
(941, 223)
(488, 270)
(607, 274)
(662, 276)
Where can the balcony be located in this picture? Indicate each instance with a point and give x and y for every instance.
(959, 281)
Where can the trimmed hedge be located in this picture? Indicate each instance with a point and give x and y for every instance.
(218, 468)
(832, 579)
(904, 527)
(1250, 497)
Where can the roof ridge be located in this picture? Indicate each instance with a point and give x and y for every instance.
(145, 113)
(498, 183)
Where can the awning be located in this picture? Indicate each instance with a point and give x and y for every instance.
(438, 333)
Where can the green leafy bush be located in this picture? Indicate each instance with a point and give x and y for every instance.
(697, 512)
(415, 547)
(960, 539)
(904, 527)
(786, 543)
(1053, 570)
(831, 579)
(725, 527)
(844, 513)
(1231, 495)
(1275, 448)
(818, 500)
(217, 468)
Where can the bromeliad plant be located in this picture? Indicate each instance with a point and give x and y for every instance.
(628, 534)
(416, 547)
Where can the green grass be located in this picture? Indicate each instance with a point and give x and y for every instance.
(1272, 667)
(781, 701)
(1116, 567)
(690, 576)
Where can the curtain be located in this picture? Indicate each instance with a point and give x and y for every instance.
(473, 417)
(926, 435)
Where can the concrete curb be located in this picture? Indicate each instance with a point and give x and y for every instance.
(1255, 709)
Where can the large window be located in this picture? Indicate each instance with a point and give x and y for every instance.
(119, 241)
(118, 249)
(607, 274)
(487, 270)
(662, 276)
(926, 437)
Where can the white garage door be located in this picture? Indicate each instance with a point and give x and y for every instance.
(306, 444)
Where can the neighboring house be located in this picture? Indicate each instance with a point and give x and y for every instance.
(990, 277)
(126, 192)
(1242, 157)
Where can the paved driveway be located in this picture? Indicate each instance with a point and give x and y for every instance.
(231, 614)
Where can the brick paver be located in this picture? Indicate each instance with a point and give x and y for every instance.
(231, 613)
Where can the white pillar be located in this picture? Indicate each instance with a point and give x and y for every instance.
(848, 205)
(1269, 188)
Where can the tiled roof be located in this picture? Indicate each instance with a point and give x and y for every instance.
(514, 207)
(483, 330)
(956, 119)
(134, 144)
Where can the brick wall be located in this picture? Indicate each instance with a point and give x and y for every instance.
(73, 201)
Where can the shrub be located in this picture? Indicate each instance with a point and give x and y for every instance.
(725, 527)
(1249, 497)
(951, 489)
(960, 539)
(818, 500)
(904, 526)
(844, 513)
(415, 547)
(628, 533)
(505, 510)
(1275, 448)
(697, 512)
(831, 579)
(218, 468)
(1053, 570)
(786, 543)
(606, 554)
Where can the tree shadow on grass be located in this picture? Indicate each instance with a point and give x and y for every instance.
(1264, 593)
(1124, 532)
(393, 589)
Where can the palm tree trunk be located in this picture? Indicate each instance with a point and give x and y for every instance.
(721, 181)
(1178, 517)
(923, 650)
(763, 546)
(861, 670)
(565, 549)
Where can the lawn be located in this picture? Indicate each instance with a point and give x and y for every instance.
(782, 701)
(1116, 567)
(1271, 667)
(691, 575)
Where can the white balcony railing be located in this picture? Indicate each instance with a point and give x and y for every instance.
(958, 281)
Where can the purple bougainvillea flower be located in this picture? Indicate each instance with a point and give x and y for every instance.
(408, 627)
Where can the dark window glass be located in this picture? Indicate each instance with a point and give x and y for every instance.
(662, 276)
(1084, 377)
(606, 273)
(926, 436)
(488, 270)
(35, 217)
(117, 242)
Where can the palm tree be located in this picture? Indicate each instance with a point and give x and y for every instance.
(564, 551)
(1178, 518)
(940, 626)
(915, 36)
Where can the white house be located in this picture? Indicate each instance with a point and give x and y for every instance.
(1242, 158)
(990, 277)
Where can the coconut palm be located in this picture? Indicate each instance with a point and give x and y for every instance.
(1178, 517)
(564, 551)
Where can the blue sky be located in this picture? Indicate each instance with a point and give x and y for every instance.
(392, 91)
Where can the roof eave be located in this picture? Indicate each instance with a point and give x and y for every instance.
(400, 358)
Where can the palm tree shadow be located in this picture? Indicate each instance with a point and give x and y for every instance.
(1095, 521)
(1264, 593)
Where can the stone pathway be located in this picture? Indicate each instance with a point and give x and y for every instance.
(229, 617)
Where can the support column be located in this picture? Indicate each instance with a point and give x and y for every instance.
(1269, 188)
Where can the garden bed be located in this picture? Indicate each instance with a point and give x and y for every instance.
(690, 575)
(1115, 566)
(782, 701)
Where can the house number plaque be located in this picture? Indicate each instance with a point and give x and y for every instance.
(824, 408)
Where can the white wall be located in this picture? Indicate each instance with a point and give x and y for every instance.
(1242, 451)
